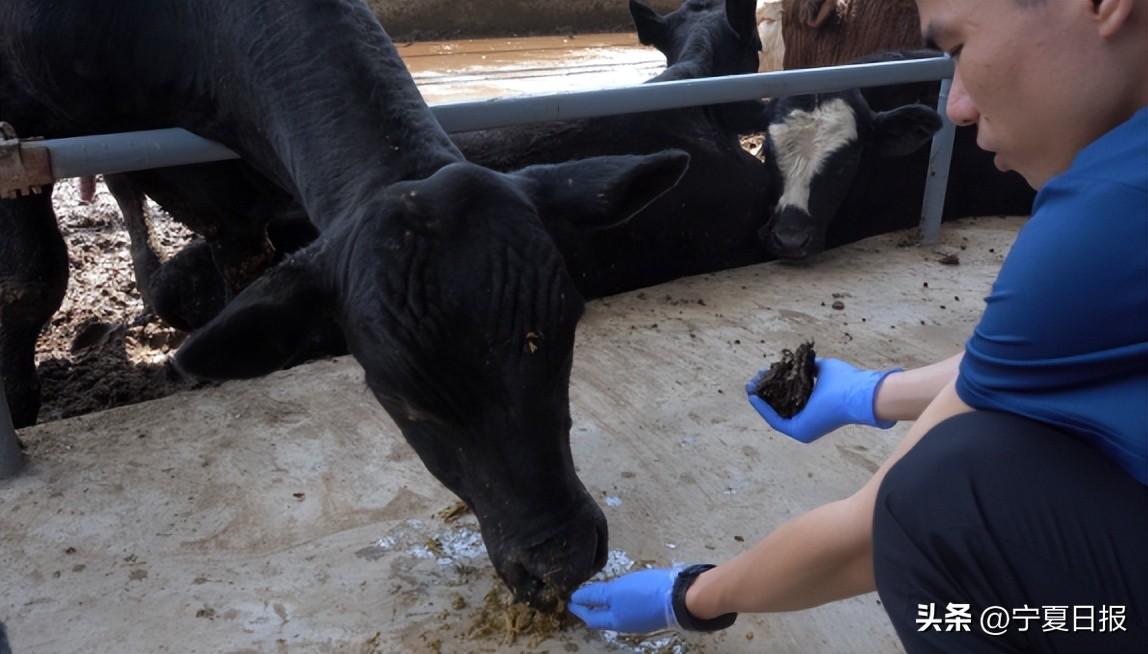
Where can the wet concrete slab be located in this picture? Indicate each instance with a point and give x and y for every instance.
(287, 514)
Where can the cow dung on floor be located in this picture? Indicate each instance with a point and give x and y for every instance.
(287, 514)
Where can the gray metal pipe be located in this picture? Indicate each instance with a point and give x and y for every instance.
(117, 153)
(124, 152)
(656, 96)
(11, 456)
(937, 182)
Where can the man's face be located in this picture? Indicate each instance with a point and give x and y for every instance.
(1020, 72)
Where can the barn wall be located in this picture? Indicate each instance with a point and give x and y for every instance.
(409, 20)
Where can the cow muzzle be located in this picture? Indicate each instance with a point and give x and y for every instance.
(790, 235)
(544, 573)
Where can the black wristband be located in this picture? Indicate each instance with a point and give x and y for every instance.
(678, 601)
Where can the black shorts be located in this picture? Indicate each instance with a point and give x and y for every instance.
(996, 533)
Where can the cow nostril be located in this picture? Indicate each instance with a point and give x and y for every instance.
(793, 241)
(791, 245)
(525, 586)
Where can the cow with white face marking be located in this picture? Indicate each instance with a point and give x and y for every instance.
(816, 145)
(852, 165)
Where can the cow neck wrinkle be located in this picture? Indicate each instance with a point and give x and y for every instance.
(344, 129)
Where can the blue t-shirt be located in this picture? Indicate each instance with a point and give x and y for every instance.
(1064, 336)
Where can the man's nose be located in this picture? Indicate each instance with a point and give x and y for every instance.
(960, 106)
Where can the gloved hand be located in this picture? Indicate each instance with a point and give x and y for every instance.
(637, 602)
(842, 395)
(644, 601)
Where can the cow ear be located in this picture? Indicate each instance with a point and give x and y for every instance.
(741, 16)
(602, 192)
(268, 325)
(813, 13)
(651, 27)
(904, 130)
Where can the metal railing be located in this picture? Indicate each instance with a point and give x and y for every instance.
(125, 152)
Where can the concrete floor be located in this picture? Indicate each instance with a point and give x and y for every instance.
(287, 514)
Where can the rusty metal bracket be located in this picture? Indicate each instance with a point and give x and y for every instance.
(23, 171)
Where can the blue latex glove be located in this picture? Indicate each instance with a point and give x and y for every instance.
(638, 602)
(842, 395)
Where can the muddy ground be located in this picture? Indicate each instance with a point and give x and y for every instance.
(102, 349)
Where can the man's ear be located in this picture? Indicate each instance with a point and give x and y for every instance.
(268, 325)
(1111, 15)
(601, 192)
(651, 27)
(904, 130)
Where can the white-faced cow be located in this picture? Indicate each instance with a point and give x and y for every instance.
(439, 273)
(839, 184)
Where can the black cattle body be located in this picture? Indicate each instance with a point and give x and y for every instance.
(439, 273)
(710, 219)
(860, 191)
(705, 223)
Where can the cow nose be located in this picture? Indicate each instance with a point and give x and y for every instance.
(548, 572)
(791, 244)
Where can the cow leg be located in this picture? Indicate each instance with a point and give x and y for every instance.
(145, 262)
(187, 290)
(33, 279)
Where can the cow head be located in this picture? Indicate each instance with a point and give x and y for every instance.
(454, 299)
(814, 146)
(707, 38)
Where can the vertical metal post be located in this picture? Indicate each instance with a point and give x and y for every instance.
(11, 457)
(937, 181)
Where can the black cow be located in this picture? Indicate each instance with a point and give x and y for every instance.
(439, 273)
(702, 38)
(710, 219)
(831, 152)
(707, 222)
